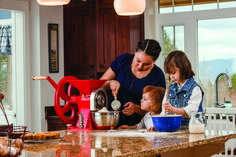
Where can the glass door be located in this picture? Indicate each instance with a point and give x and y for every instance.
(12, 66)
(6, 49)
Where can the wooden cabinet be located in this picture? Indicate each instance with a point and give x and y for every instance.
(79, 41)
(113, 37)
(53, 121)
(56, 124)
(94, 35)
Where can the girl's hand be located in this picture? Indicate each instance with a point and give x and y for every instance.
(168, 107)
(151, 129)
(129, 108)
(114, 85)
(123, 127)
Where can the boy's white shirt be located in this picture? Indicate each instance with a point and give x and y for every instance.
(193, 103)
(146, 122)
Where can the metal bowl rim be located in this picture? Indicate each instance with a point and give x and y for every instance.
(96, 112)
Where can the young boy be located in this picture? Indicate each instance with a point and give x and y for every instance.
(152, 103)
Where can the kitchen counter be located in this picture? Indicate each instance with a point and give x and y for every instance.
(131, 143)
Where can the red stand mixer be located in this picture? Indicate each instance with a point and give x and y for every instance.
(91, 97)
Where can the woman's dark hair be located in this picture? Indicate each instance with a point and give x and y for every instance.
(180, 60)
(157, 94)
(150, 47)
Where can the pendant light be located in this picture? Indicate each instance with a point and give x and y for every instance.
(53, 2)
(129, 7)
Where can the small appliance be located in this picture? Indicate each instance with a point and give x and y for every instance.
(90, 97)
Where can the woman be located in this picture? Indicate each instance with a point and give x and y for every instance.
(128, 74)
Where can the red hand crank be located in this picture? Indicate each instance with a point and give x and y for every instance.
(61, 94)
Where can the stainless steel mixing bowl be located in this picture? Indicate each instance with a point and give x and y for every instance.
(105, 120)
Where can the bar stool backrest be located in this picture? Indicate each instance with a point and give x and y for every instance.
(222, 119)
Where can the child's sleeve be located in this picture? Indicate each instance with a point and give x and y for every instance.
(194, 101)
(141, 124)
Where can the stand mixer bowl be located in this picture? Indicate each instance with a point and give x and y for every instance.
(105, 120)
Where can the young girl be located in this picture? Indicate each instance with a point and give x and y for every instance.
(185, 95)
(152, 103)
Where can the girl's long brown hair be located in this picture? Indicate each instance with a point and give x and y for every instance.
(180, 60)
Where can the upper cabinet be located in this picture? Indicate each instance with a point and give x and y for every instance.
(94, 35)
(113, 37)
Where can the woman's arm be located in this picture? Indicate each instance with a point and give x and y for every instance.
(108, 75)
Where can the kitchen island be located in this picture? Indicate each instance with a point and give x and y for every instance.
(130, 143)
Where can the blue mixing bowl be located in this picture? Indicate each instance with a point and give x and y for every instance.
(168, 123)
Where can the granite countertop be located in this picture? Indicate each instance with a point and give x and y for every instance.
(125, 143)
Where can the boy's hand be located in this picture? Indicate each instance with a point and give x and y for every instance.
(123, 127)
(151, 129)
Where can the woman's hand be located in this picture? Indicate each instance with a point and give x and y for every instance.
(168, 107)
(114, 85)
(129, 108)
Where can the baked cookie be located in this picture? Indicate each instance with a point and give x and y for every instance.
(55, 135)
(37, 136)
(29, 136)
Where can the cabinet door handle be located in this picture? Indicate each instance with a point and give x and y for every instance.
(101, 66)
(91, 65)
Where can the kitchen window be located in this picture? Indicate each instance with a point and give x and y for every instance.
(5, 75)
(175, 6)
(173, 38)
(198, 33)
(217, 54)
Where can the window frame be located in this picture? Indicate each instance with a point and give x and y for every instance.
(190, 22)
(21, 94)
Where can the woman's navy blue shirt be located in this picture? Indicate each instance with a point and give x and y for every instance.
(131, 87)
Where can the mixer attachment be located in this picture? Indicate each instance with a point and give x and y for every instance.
(98, 99)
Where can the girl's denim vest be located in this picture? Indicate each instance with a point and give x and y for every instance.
(180, 98)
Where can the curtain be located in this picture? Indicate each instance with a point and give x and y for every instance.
(5, 40)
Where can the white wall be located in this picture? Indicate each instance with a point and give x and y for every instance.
(42, 91)
(32, 96)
